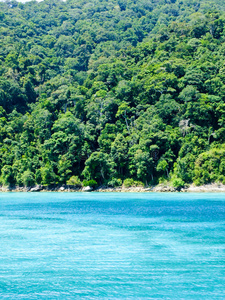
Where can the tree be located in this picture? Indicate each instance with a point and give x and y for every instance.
(119, 154)
(47, 174)
(97, 167)
(28, 178)
(7, 176)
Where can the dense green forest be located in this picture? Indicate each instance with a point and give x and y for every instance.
(108, 92)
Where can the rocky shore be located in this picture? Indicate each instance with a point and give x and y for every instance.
(208, 188)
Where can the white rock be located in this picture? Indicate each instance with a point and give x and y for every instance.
(37, 188)
(87, 189)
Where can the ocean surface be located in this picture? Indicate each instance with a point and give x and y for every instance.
(112, 246)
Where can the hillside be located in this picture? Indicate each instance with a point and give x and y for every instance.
(112, 92)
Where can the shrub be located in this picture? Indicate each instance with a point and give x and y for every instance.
(197, 182)
(91, 183)
(162, 180)
(28, 178)
(220, 179)
(130, 182)
(178, 182)
(114, 182)
(139, 183)
(75, 181)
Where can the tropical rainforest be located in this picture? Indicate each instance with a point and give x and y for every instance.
(112, 92)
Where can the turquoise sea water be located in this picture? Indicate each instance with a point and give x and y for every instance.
(112, 246)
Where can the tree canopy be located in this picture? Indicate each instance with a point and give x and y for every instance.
(112, 91)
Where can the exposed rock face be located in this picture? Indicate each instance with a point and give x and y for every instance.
(214, 187)
(87, 189)
(5, 189)
(207, 188)
(37, 188)
(163, 188)
(134, 189)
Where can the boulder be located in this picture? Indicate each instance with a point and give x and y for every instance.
(87, 189)
(37, 188)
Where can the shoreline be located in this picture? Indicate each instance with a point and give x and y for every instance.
(161, 188)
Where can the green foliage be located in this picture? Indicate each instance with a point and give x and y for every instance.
(47, 175)
(115, 182)
(38, 177)
(162, 166)
(91, 183)
(112, 92)
(28, 178)
(97, 166)
(75, 181)
(129, 182)
(7, 177)
(210, 166)
(178, 182)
